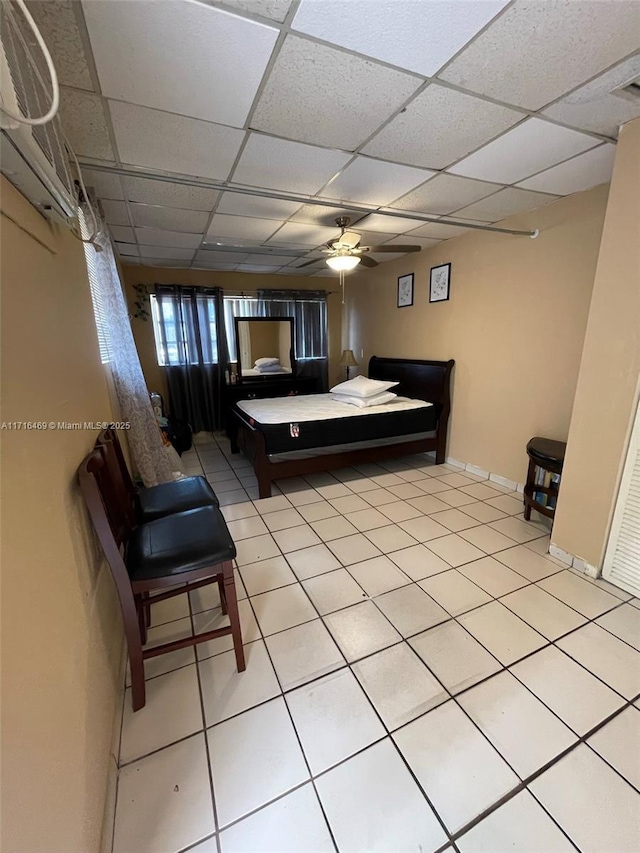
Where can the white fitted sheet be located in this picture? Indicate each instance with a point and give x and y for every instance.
(318, 407)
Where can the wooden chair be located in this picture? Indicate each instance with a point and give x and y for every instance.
(156, 501)
(193, 548)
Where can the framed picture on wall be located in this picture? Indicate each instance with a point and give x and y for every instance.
(440, 283)
(405, 290)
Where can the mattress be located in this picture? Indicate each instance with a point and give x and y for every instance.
(318, 420)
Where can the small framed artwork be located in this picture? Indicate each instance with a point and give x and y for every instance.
(439, 283)
(405, 290)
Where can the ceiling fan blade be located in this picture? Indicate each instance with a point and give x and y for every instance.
(308, 263)
(349, 238)
(396, 247)
(367, 262)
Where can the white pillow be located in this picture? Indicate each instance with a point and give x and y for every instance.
(365, 402)
(360, 386)
(261, 361)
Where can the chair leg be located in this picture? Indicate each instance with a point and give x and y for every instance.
(131, 616)
(223, 597)
(141, 610)
(147, 609)
(234, 616)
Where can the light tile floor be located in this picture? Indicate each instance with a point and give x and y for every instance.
(421, 676)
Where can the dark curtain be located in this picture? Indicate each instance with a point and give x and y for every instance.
(309, 310)
(194, 349)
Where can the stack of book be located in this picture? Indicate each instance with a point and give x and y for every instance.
(548, 480)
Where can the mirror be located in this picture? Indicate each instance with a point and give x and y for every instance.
(264, 347)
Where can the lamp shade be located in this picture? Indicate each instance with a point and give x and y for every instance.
(343, 262)
(348, 359)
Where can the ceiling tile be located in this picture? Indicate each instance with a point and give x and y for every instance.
(242, 227)
(287, 166)
(206, 150)
(169, 218)
(374, 181)
(276, 10)
(268, 258)
(165, 252)
(173, 239)
(528, 148)
(319, 214)
(122, 234)
(388, 224)
(439, 126)
(558, 45)
(215, 265)
(325, 96)
(383, 257)
(258, 268)
(221, 257)
(184, 58)
(307, 235)
(444, 193)
(170, 195)
(413, 240)
(116, 212)
(127, 249)
(589, 169)
(85, 124)
(596, 106)
(505, 203)
(434, 230)
(59, 27)
(240, 204)
(420, 36)
(104, 184)
(172, 263)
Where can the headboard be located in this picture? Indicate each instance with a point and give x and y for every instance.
(421, 380)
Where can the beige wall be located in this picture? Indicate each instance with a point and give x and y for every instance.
(606, 396)
(514, 325)
(233, 281)
(61, 635)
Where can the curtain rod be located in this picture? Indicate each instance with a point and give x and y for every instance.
(223, 186)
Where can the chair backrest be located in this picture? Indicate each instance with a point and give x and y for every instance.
(109, 486)
(93, 477)
(122, 484)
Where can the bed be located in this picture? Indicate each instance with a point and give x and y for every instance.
(293, 436)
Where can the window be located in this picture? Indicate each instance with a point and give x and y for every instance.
(309, 313)
(179, 322)
(97, 297)
(178, 341)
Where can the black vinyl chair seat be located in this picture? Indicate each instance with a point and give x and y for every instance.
(175, 496)
(546, 450)
(179, 543)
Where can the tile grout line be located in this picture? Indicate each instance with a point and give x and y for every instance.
(588, 734)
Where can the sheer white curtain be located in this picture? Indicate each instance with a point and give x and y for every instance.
(150, 457)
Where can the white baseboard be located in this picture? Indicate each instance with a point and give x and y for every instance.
(480, 472)
(574, 562)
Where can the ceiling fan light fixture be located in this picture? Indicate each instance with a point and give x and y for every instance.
(343, 263)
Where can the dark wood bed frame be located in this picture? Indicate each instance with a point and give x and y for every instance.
(421, 380)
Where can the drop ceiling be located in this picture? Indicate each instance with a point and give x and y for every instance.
(464, 109)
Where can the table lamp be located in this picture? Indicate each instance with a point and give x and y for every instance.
(347, 360)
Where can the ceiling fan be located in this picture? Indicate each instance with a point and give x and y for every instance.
(345, 252)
